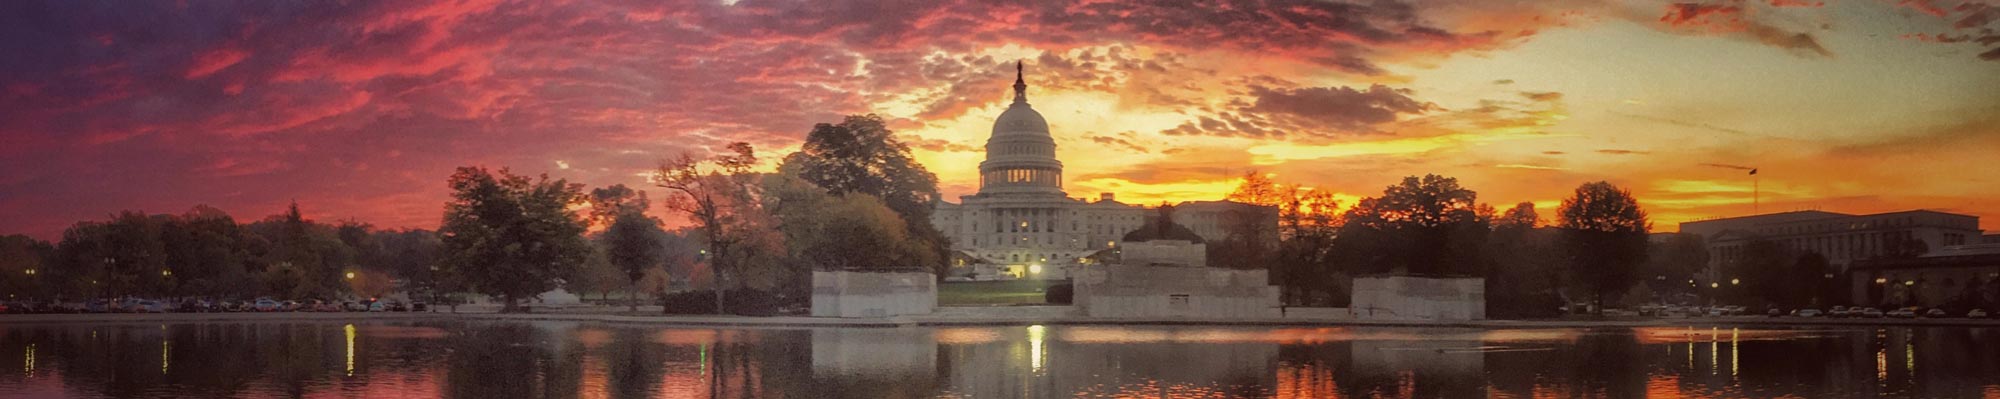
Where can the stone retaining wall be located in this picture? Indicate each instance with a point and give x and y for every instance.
(1125, 291)
(872, 294)
(1419, 298)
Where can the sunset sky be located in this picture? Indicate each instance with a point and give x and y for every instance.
(360, 110)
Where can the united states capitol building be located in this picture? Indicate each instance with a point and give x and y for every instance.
(1022, 223)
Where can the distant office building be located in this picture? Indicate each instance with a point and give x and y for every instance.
(1842, 238)
(1023, 222)
(1896, 257)
(1952, 274)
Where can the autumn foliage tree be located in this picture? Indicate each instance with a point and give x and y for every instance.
(512, 236)
(720, 196)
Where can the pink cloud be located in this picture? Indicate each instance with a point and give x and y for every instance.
(214, 60)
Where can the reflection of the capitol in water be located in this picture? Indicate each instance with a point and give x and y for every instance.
(586, 360)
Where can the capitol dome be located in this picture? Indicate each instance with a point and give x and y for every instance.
(1021, 155)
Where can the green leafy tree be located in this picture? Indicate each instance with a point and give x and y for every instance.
(512, 236)
(1604, 237)
(861, 155)
(632, 246)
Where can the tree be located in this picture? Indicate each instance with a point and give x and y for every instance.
(510, 236)
(1604, 234)
(608, 203)
(853, 231)
(1257, 188)
(632, 246)
(861, 155)
(1305, 264)
(25, 265)
(206, 251)
(1675, 261)
(412, 255)
(1427, 225)
(1522, 216)
(301, 258)
(1525, 277)
(720, 197)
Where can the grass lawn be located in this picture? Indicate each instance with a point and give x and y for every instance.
(993, 292)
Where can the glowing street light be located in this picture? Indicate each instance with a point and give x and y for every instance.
(1734, 281)
(350, 275)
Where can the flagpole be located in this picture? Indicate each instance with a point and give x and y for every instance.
(1756, 192)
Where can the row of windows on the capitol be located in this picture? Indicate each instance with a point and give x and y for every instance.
(1029, 258)
(1020, 149)
(1028, 227)
(1020, 240)
(1023, 176)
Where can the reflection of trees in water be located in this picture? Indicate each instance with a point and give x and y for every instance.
(633, 364)
(501, 360)
(508, 361)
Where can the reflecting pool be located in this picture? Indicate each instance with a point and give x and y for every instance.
(587, 360)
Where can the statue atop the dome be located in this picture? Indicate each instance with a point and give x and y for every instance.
(1020, 86)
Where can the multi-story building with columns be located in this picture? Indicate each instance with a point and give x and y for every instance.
(1844, 239)
(1022, 220)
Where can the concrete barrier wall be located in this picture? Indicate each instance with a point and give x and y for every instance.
(1160, 291)
(871, 294)
(1303, 313)
(1419, 298)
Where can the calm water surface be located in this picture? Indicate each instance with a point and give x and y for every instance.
(572, 360)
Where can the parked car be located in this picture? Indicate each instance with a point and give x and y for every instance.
(420, 306)
(1774, 312)
(377, 306)
(353, 306)
(1871, 313)
(1935, 313)
(1976, 314)
(1903, 313)
(1807, 313)
(397, 306)
(267, 305)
